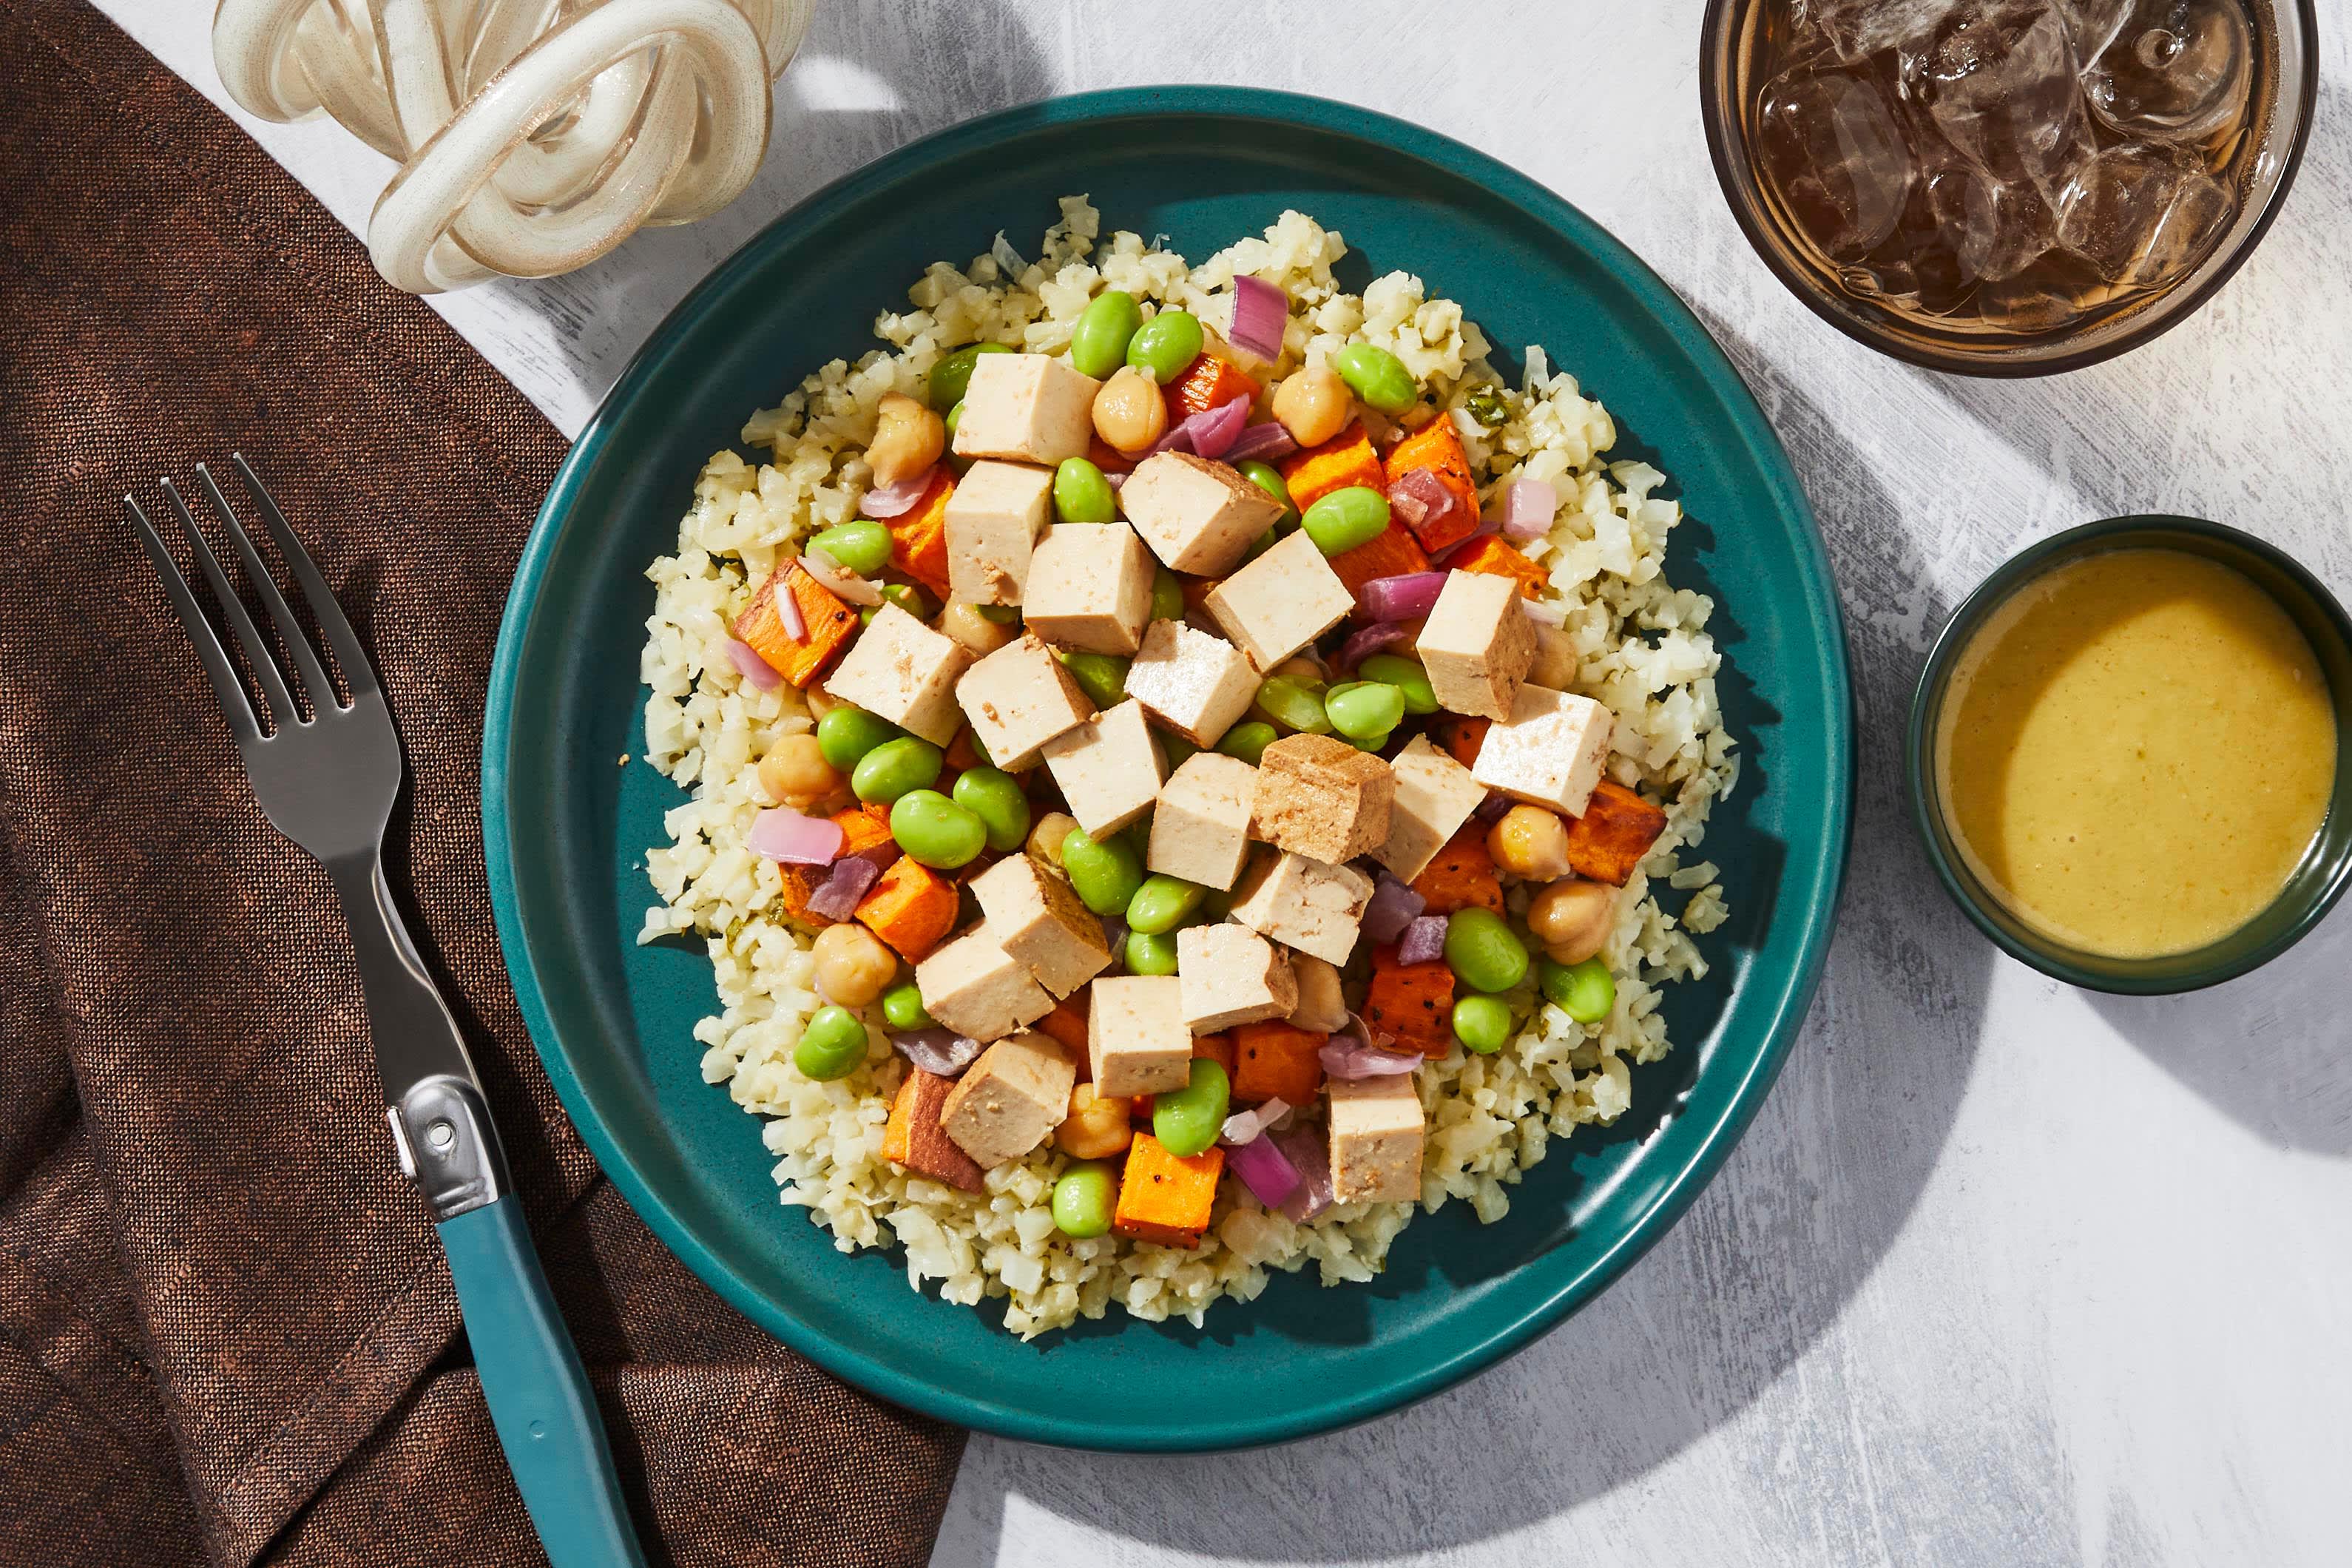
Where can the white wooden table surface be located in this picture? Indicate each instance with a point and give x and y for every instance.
(2004, 1273)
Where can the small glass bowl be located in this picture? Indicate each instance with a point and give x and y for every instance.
(2317, 881)
(2290, 32)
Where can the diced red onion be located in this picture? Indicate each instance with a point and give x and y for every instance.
(1261, 311)
(1422, 498)
(1424, 940)
(1399, 598)
(1361, 645)
(886, 502)
(1265, 439)
(940, 1051)
(1114, 480)
(1243, 1125)
(1114, 933)
(1492, 808)
(1392, 908)
(753, 667)
(845, 583)
(1209, 432)
(1486, 526)
(780, 833)
(1528, 507)
(1346, 1056)
(1265, 1170)
(788, 606)
(852, 877)
(1304, 1147)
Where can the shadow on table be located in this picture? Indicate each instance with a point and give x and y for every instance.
(1730, 1299)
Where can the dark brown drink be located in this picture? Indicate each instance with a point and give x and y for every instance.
(2006, 167)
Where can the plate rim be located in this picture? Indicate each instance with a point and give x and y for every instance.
(1677, 1190)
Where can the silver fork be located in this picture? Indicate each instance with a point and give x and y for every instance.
(327, 783)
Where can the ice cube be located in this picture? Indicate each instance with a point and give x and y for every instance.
(1831, 149)
(2003, 82)
(2177, 70)
(1996, 228)
(2142, 213)
(1856, 29)
(2092, 22)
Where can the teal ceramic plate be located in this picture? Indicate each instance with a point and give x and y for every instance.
(566, 830)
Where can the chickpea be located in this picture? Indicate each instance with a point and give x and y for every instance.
(795, 774)
(852, 965)
(820, 702)
(1045, 838)
(1321, 1006)
(1129, 413)
(1529, 842)
(1096, 1128)
(1304, 668)
(966, 625)
(908, 440)
(1572, 919)
(1313, 404)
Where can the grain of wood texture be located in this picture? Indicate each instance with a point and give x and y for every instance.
(2003, 1274)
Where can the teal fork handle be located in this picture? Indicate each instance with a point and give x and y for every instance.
(537, 1392)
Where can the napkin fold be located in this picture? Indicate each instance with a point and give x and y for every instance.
(227, 1332)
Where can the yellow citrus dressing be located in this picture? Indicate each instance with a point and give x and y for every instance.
(2135, 751)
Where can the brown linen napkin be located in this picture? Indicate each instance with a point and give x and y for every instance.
(226, 1333)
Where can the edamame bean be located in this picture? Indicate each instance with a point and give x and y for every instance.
(1247, 739)
(1586, 991)
(1167, 595)
(1346, 519)
(902, 1005)
(1369, 742)
(847, 734)
(1187, 1120)
(911, 599)
(1150, 953)
(1165, 345)
(1084, 1199)
(995, 797)
(1377, 376)
(1294, 706)
(1081, 494)
(1162, 903)
(863, 546)
(1268, 478)
(832, 1044)
(1104, 872)
(998, 615)
(935, 831)
(893, 768)
(1098, 342)
(1483, 1024)
(1101, 675)
(1364, 709)
(953, 373)
(1482, 952)
(1177, 749)
(1406, 675)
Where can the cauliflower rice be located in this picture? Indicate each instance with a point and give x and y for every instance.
(1646, 655)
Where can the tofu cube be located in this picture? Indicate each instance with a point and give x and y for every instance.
(1089, 587)
(1010, 1101)
(975, 987)
(1281, 602)
(1435, 795)
(1109, 768)
(992, 522)
(1232, 975)
(1019, 698)
(1322, 799)
(1313, 907)
(1193, 683)
(1477, 643)
(1200, 829)
(1036, 918)
(1197, 516)
(1031, 408)
(902, 670)
(1136, 1039)
(1376, 1139)
(1550, 751)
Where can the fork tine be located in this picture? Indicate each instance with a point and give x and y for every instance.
(248, 636)
(358, 668)
(313, 674)
(234, 706)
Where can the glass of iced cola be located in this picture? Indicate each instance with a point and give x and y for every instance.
(2006, 187)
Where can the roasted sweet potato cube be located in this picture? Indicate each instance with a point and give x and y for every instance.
(912, 908)
(1067, 1024)
(1616, 830)
(828, 622)
(1415, 1002)
(1165, 1198)
(799, 882)
(1437, 447)
(1218, 1048)
(1107, 457)
(1392, 553)
(1463, 875)
(864, 827)
(1276, 1060)
(913, 1137)
(1346, 459)
(918, 537)
(1459, 735)
(1207, 382)
(1497, 556)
